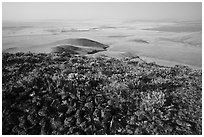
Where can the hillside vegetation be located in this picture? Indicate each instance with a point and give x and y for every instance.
(69, 94)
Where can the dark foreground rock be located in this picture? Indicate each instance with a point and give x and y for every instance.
(66, 94)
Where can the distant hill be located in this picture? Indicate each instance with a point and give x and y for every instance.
(78, 46)
(193, 39)
(82, 42)
(179, 27)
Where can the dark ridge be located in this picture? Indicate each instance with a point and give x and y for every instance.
(78, 46)
(118, 36)
(82, 42)
(140, 41)
(107, 27)
(66, 48)
(94, 51)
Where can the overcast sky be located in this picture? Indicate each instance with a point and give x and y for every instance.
(145, 11)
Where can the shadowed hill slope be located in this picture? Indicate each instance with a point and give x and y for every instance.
(81, 42)
(78, 46)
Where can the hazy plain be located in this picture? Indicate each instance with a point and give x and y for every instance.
(164, 42)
